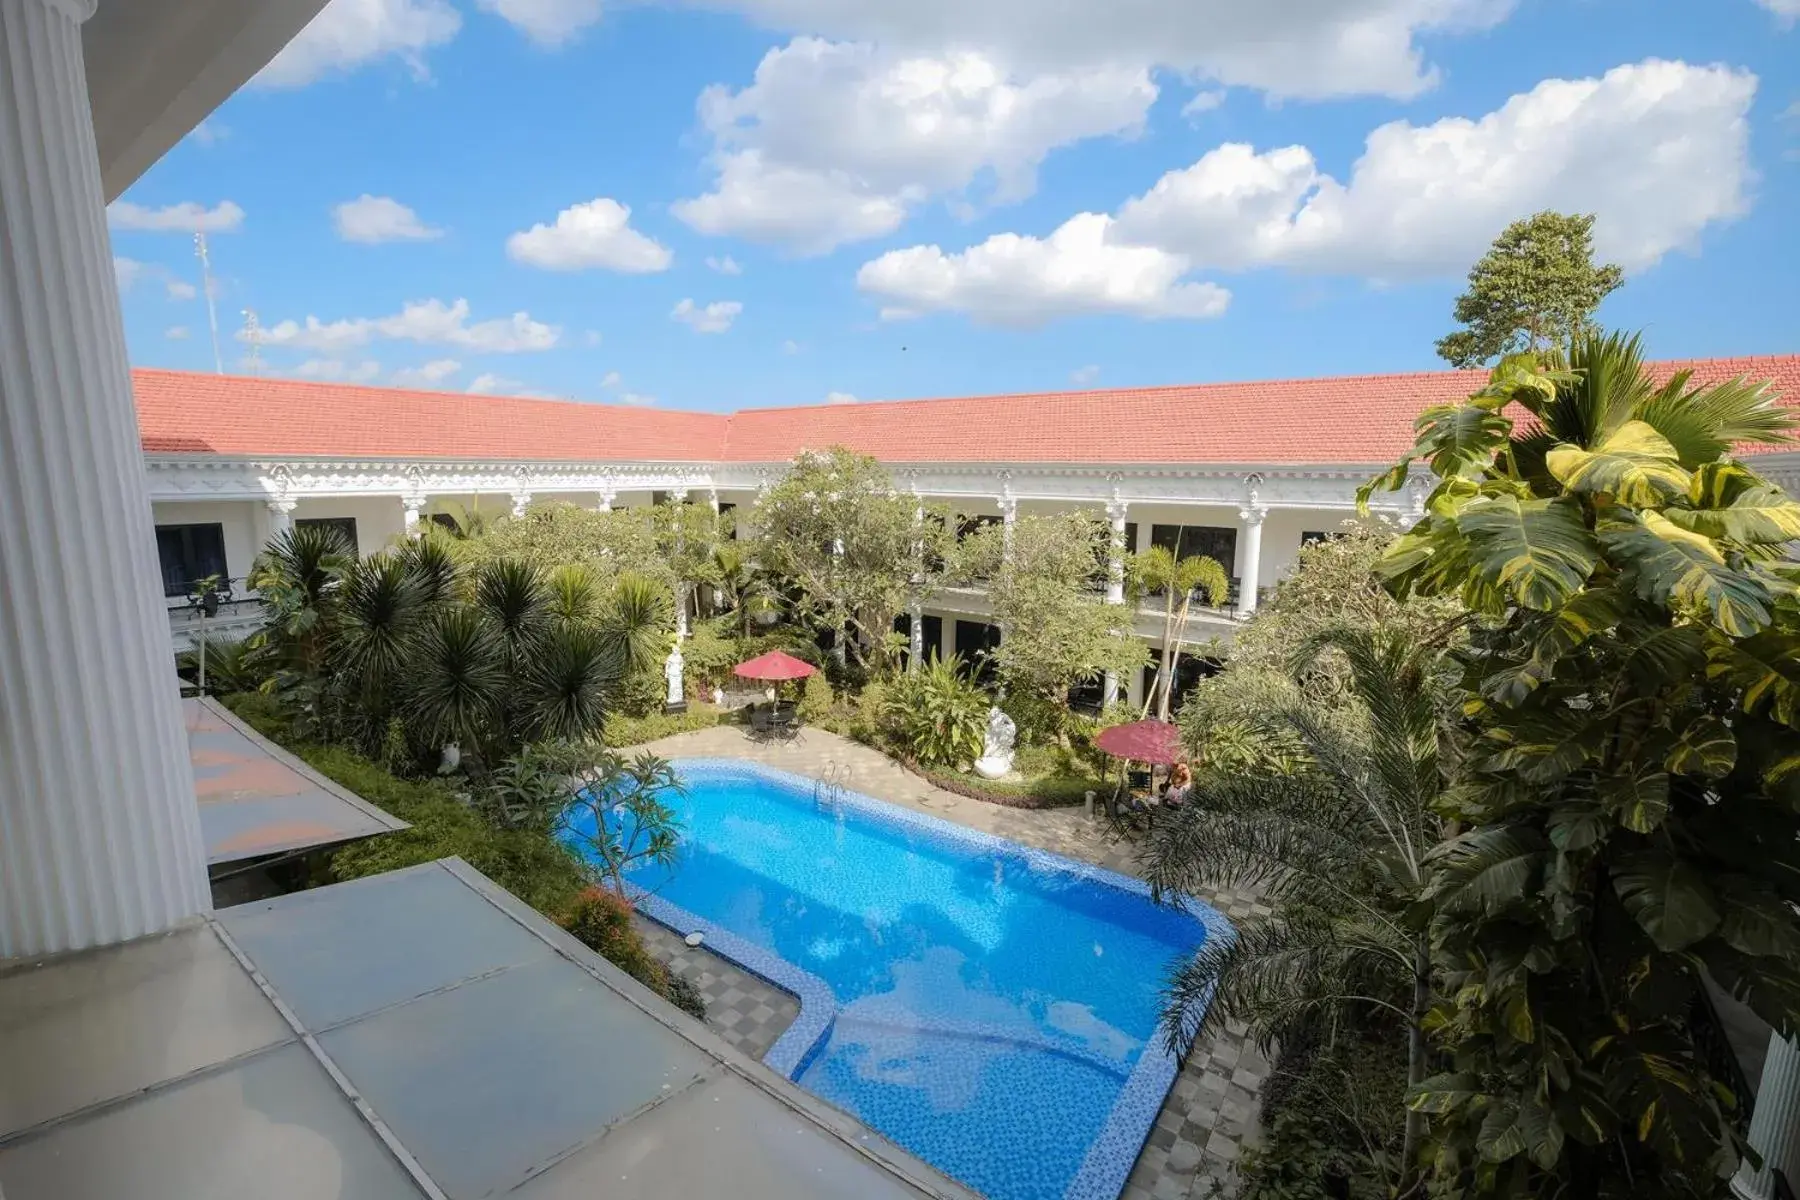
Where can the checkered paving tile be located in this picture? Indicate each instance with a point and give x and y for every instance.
(744, 1010)
(1210, 1114)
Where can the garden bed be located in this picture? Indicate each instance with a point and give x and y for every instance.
(1058, 791)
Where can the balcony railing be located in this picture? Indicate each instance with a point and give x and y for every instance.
(238, 612)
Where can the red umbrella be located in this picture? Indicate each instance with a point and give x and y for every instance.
(1155, 742)
(775, 666)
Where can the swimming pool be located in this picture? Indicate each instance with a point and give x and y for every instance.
(988, 1006)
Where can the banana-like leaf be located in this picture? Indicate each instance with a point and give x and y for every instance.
(1489, 867)
(1705, 748)
(1760, 516)
(1767, 669)
(1537, 551)
(1461, 440)
(1718, 484)
(1757, 921)
(1444, 1093)
(1544, 747)
(1669, 899)
(1674, 566)
(1511, 1128)
(1639, 803)
(1634, 465)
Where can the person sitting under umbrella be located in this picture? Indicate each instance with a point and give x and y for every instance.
(1181, 783)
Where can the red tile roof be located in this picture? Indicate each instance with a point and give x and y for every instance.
(1354, 419)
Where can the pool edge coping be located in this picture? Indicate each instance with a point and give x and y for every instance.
(1107, 1164)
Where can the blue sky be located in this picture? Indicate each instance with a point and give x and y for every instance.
(940, 197)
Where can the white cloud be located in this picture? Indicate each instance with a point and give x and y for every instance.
(790, 347)
(494, 385)
(429, 375)
(180, 289)
(1658, 150)
(1786, 11)
(724, 266)
(592, 337)
(176, 333)
(839, 398)
(337, 370)
(712, 318)
(836, 142)
(611, 379)
(1084, 375)
(1203, 103)
(429, 322)
(186, 217)
(348, 34)
(549, 23)
(1026, 281)
(597, 234)
(1301, 48)
(127, 271)
(374, 219)
(635, 400)
(210, 132)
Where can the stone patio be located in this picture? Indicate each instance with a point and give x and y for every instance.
(1210, 1113)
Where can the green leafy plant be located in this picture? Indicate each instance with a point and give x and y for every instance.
(816, 699)
(938, 715)
(1536, 288)
(621, 816)
(1627, 811)
(1340, 849)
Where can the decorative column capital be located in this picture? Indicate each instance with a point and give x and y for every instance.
(1252, 514)
(1117, 509)
(1252, 511)
(281, 506)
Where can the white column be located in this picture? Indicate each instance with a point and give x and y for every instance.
(281, 516)
(1250, 519)
(1116, 512)
(1774, 1123)
(1009, 516)
(916, 615)
(521, 501)
(99, 829)
(410, 515)
(607, 496)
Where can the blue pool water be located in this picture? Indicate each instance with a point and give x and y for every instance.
(995, 1006)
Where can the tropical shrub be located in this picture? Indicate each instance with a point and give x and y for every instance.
(938, 715)
(231, 666)
(1627, 812)
(600, 919)
(816, 699)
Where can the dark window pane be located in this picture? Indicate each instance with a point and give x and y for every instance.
(188, 554)
(1088, 695)
(1313, 537)
(345, 526)
(445, 519)
(726, 521)
(974, 642)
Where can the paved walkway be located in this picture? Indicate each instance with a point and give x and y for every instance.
(1210, 1112)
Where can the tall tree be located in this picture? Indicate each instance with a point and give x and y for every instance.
(1536, 287)
(836, 532)
(1056, 630)
(1158, 570)
(1627, 810)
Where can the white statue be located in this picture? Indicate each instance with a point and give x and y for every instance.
(672, 673)
(997, 747)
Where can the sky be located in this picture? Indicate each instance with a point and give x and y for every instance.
(716, 204)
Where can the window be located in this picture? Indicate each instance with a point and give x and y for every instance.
(934, 636)
(975, 641)
(188, 554)
(727, 521)
(965, 524)
(1088, 695)
(345, 526)
(447, 520)
(659, 498)
(1313, 537)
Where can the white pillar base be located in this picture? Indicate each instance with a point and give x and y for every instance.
(1249, 557)
(1774, 1123)
(99, 829)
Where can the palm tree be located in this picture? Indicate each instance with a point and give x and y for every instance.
(747, 589)
(297, 577)
(1159, 570)
(636, 622)
(1340, 848)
